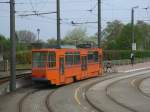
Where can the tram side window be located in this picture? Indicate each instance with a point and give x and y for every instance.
(90, 57)
(39, 59)
(51, 59)
(96, 56)
(69, 58)
(76, 58)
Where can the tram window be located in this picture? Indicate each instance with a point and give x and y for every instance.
(69, 58)
(39, 59)
(96, 56)
(51, 59)
(90, 57)
(76, 58)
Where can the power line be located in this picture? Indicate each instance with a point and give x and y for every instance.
(36, 14)
(91, 9)
(4, 2)
(30, 1)
(77, 23)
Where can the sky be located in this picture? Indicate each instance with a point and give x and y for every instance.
(71, 10)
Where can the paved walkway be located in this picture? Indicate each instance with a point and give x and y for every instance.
(135, 67)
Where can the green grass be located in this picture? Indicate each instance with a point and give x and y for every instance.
(23, 66)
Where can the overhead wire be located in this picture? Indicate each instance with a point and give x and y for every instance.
(87, 17)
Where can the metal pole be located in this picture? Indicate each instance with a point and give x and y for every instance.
(58, 24)
(99, 23)
(13, 47)
(132, 23)
(38, 31)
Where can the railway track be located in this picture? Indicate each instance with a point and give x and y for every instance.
(114, 100)
(47, 101)
(138, 87)
(137, 83)
(33, 92)
(45, 95)
(21, 76)
(87, 87)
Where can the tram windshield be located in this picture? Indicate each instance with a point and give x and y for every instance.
(39, 59)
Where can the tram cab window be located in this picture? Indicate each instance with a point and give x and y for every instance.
(69, 58)
(39, 59)
(51, 59)
(76, 58)
(96, 56)
(90, 57)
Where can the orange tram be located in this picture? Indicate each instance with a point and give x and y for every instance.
(64, 66)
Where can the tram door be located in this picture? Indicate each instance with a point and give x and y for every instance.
(84, 66)
(61, 69)
(84, 63)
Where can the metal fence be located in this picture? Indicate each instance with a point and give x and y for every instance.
(127, 61)
(4, 65)
(115, 63)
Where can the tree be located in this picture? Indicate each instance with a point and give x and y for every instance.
(123, 42)
(118, 36)
(52, 42)
(25, 36)
(76, 35)
(111, 33)
(92, 38)
(5, 42)
(144, 29)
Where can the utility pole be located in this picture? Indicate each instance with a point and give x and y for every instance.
(13, 47)
(58, 24)
(99, 23)
(132, 25)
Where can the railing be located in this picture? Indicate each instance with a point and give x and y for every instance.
(127, 61)
(115, 63)
(4, 65)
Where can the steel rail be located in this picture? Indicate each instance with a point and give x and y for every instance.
(6, 79)
(40, 88)
(136, 87)
(108, 78)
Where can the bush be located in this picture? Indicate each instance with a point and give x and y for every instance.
(23, 57)
(123, 54)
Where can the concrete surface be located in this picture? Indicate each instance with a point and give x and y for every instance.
(125, 92)
(135, 67)
(10, 102)
(145, 86)
(98, 95)
(36, 102)
(71, 98)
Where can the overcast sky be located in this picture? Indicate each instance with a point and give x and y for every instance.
(71, 10)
